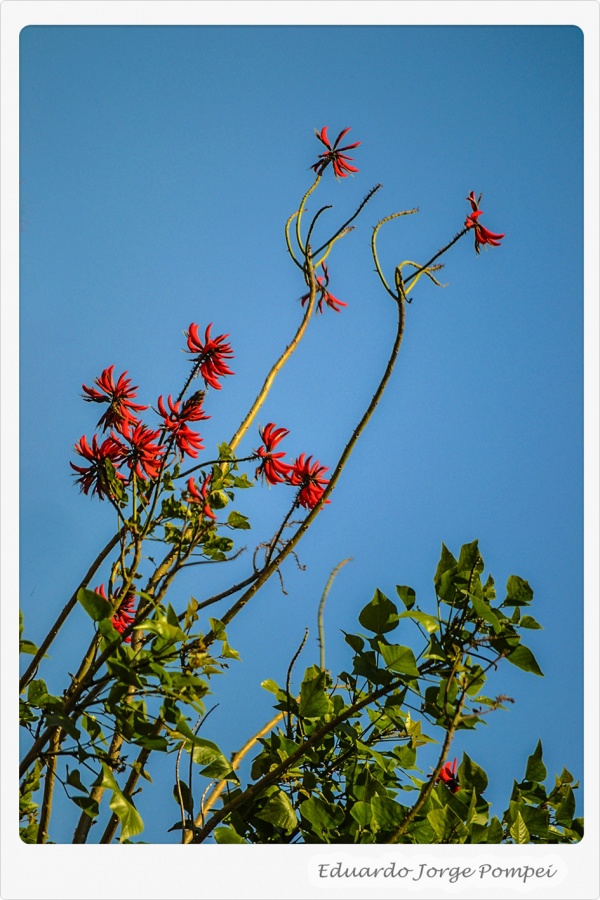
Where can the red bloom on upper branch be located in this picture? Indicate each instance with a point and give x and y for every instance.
(124, 615)
(176, 418)
(482, 235)
(325, 297)
(94, 477)
(309, 476)
(334, 155)
(271, 467)
(201, 496)
(144, 455)
(448, 776)
(211, 355)
(118, 396)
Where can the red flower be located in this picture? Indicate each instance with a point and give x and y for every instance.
(271, 466)
(124, 615)
(308, 475)
(326, 297)
(95, 477)
(200, 496)
(448, 776)
(143, 456)
(211, 355)
(334, 155)
(118, 396)
(175, 421)
(482, 235)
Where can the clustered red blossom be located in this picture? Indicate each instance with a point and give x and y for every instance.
(302, 473)
(448, 776)
(334, 155)
(327, 298)
(200, 496)
(176, 418)
(482, 234)
(121, 410)
(125, 613)
(211, 355)
(133, 445)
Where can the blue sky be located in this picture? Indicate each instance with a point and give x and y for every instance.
(158, 168)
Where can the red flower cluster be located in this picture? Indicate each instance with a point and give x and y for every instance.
(302, 473)
(334, 155)
(448, 776)
(121, 410)
(201, 496)
(175, 421)
(144, 455)
(271, 467)
(307, 475)
(325, 297)
(482, 235)
(94, 477)
(124, 615)
(211, 355)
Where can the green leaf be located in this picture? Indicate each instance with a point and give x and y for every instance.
(518, 831)
(314, 701)
(356, 642)
(399, 659)
(362, 813)
(36, 690)
(380, 615)
(470, 558)
(447, 826)
(88, 805)
(566, 809)
(279, 812)
(407, 595)
(518, 592)
(129, 817)
(27, 647)
(470, 775)
(387, 814)
(529, 622)
(523, 658)
(323, 816)
(237, 520)
(269, 685)
(536, 770)
(447, 563)
(74, 779)
(95, 606)
(435, 649)
(429, 623)
(495, 831)
(225, 834)
(485, 612)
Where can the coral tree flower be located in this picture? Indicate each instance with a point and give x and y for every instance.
(271, 467)
(326, 297)
(334, 155)
(200, 496)
(212, 354)
(144, 455)
(308, 476)
(119, 396)
(482, 234)
(124, 615)
(94, 477)
(175, 420)
(448, 776)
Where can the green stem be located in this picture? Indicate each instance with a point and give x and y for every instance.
(322, 608)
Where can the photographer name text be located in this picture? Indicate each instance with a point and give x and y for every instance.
(452, 874)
